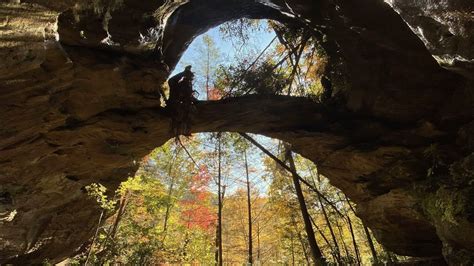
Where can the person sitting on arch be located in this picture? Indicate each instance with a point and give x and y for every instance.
(180, 86)
(181, 100)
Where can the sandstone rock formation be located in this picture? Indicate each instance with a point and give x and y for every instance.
(78, 82)
(445, 27)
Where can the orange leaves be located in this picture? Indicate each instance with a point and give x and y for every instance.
(215, 94)
(197, 215)
(196, 208)
(201, 180)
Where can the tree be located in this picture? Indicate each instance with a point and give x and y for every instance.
(167, 212)
(219, 206)
(242, 79)
(315, 250)
(249, 209)
(207, 58)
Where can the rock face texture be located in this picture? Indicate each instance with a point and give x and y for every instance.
(78, 104)
(445, 27)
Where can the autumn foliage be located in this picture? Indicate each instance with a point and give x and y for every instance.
(196, 210)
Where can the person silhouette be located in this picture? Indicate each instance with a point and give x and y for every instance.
(180, 85)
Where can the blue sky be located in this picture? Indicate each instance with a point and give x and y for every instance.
(258, 40)
(228, 49)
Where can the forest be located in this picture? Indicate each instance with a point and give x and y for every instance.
(170, 212)
(236, 132)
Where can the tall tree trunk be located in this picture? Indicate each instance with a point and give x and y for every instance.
(282, 164)
(354, 242)
(292, 250)
(95, 237)
(111, 234)
(333, 253)
(258, 242)
(219, 212)
(249, 209)
(315, 251)
(371, 245)
(351, 229)
(170, 192)
(300, 238)
(216, 252)
(120, 212)
(333, 236)
(341, 236)
(304, 247)
(168, 210)
(370, 242)
(208, 70)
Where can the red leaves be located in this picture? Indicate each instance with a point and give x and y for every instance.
(196, 208)
(215, 94)
(197, 215)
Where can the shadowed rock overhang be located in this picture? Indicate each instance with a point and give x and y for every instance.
(77, 105)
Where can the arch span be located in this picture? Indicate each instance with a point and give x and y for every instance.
(77, 107)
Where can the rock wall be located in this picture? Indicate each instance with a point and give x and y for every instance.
(445, 27)
(78, 104)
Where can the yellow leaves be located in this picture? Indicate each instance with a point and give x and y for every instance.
(97, 191)
(280, 49)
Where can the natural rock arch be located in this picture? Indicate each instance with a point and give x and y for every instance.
(75, 109)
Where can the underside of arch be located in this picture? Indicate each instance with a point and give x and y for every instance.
(78, 105)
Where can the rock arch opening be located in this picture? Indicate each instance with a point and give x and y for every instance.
(76, 109)
(171, 191)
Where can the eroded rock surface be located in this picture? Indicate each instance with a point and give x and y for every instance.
(78, 104)
(447, 29)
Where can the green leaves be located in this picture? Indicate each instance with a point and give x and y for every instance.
(97, 191)
(263, 78)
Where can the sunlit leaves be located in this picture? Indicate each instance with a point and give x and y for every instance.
(97, 191)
